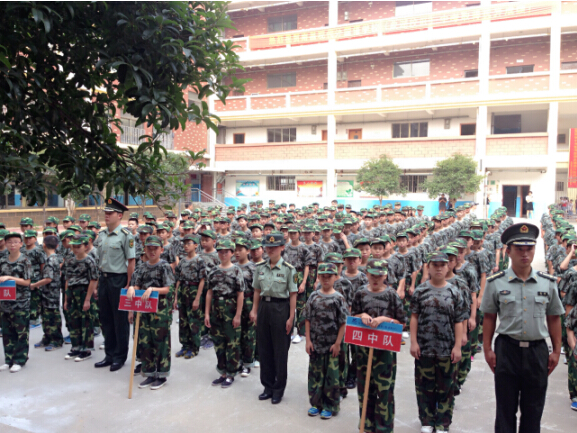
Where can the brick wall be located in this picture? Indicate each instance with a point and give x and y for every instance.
(519, 84)
(527, 145)
(270, 151)
(268, 102)
(568, 81)
(404, 148)
(231, 105)
(352, 96)
(194, 137)
(569, 46)
(308, 99)
(404, 93)
(447, 90)
(532, 51)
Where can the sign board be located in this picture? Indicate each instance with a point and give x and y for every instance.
(247, 188)
(345, 188)
(572, 177)
(387, 336)
(309, 188)
(8, 290)
(137, 304)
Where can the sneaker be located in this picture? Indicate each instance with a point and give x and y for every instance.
(218, 381)
(405, 334)
(245, 372)
(326, 414)
(67, 340)
(101, 347)
(227, 382)
(472, 358)
(297, 339)
(574, 405)
(96, 331)
(72, 355)
(180, 353)
(158, 383)
(149, 381)
(350, 384)
(256, 364)
(138, 369)
(15, 368)
(293, 337)
(39, 345)
(313, 411)
(4, 367)
(208, 345)
(83, 355)
(51, 348)
(427, 429)
(190, 354)
(34, 325)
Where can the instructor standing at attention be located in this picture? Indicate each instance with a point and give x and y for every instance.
(523, 299)
(116, 254)
(273, 311)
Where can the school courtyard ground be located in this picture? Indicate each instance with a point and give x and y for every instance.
(53, 395)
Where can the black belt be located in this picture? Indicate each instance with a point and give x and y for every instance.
(520, 343)
(112, 274)
(271, 299)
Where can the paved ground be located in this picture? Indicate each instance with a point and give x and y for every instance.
(53, 395)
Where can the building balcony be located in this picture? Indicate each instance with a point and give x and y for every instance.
(131, 136)
(517, 144)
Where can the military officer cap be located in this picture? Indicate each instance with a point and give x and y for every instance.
(209, 234)
(113, 205)
(328, 268)
(153, 241)
(225, 244)
(520, 234)
(94, 224)
(69, 218)
(273, 240)
(361, 241)
(377, 267)
(352, 252)
(145, 229)
(242, 242)
(49, 230)
(30, 234)
(26, 222)
(334, 258)
(84, 217)
(438, 256)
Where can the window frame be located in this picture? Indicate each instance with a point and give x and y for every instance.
(282, 76)
(409, 128)
(281, 132)
(412, 62)
(284, 20)
(471, 70)
(349, 82)
(277, 181)
(238, 134)
(413, 182)
(520, 72)
(467, 124)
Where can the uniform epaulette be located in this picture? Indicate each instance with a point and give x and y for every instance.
(544, 275)
(288, 264)
(125, 230)
(261, 263)
(495, 276)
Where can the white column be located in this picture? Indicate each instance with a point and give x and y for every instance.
(481, 153)
(484, 54)
(331, 74)
(550, 179)
(333, 13)
(331, 180)
(555, 50)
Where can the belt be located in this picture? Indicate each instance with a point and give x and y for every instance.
(112, 274)
(520, 343)
(271, 299)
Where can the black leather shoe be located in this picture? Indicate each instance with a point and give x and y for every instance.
(138, 369)
(264, 396)
(103, 363)
(276, 400)
(115, 366)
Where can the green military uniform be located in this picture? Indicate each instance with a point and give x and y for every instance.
(37, 259)
(248, 329)
(571, 323)
(50, 299)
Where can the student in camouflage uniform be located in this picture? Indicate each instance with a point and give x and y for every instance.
(15, 314)
(571, 325)
(325, 319)
(49, 288)
(81, 281)
(374, 304)
(437, 315)
(317, 257)
(37, 258)
(225, 285)
(190, 277)
(154, 334)
(327, 243)
(209, 255)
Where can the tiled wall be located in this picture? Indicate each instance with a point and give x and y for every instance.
(517, 145)
(404, 148)
(270, 151)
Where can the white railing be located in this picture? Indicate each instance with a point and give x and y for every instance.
(131, 135)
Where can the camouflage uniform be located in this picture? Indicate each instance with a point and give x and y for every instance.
(79, 274)
(37, 259)
(318, 256)
(66, 254)
(435, 375)
(330, 247)
(189, 273)
(326, 314)
(248, 329)
(480, 260)
(50, 299)
(169, 254)
(93, 302)
(154, 332)
(225, 285)
(571, 323)
(299, 256)
(380, 414)
(410, 264)
(16, 314)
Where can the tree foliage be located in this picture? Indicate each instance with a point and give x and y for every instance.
(380, 177)
(454, 176)
(67, 68)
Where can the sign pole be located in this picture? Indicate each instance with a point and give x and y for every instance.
(366, 396)
(134, 346)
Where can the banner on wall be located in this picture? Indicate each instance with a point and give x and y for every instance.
(572, 180)
(247, 188)
(309, 188)
(345, 188)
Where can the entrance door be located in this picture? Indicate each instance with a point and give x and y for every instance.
(355, 134)
(510, 199)
(524, 193)
(325, 135)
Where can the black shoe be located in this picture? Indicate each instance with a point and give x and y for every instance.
(158, 383)
(138, 369)
(458, 390)
(264, 396)
(147, 382)
(276, 400)
(115, 366)
(227, 383)
(218, 381)
(103, 363)
(350, 384)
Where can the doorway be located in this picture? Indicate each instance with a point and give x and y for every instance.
(355, 134)
(514, 200)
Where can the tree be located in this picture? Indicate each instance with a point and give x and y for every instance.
(380, 177)
(454, 176)
(67, 68)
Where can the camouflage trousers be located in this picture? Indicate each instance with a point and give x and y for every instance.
(352, 362)
(343, 368)
(154, 341)
(52, 327)
(189, 321)
(35, 303)
(504, 262)
(80, 323)
(435, 387)
(380, 416)
(407, 304)
(465, 364)
(476, 335)
(564, 341)
(301, 302)
(247, 335)
(65, 312)
(324, 382)
(572, 374)
(93, 312)
(15, 333)
(226, 339)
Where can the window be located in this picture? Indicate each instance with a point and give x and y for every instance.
(280, 183)
(238, 36)
(408, 8)
(406, 130)
(525, 69)
(561, 138)
(274, 81)
(325, 86)
(569, 65)
(130, 121)
(221, 136)
(473, 5)
(418, 68)
(468, 128)
(507, 124)
(355, 83)
(193, 99)
(360, 20)
(413, 183)
(238, 138)
(282, 23)
(560, 187)
(281, 135)
(471, 73)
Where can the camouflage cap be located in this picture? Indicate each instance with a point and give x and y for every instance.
(89, 234)
(52, 219)
(477, 235)
(259, 226)
(145, 229)
(30, 234)
(450, 250)
(465, 234)
(84, 217)
(225, 244)
(2, 225)
(242, 215)
(458, 243)
(294, 229)
(402, 235)
(205, 222)
(308, 228)
(79, 240)
(209, 234)
(3, 233)
(334, 258)
(193, 238)
(50, 230)
(133, 215)
(352, 252)
(328, 268)
(153, 241)
(438, 256)
(242, 242)
(94, 224)
(75, 228)
(170, 214)
(188, 225)
(26, 222)
(255, 244)
(163, 226)
(69, 218)
(378, 241)
(361, 241)
(326, 227)
(66, 234)
(377, 267)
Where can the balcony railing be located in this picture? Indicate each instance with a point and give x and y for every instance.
(131, 135)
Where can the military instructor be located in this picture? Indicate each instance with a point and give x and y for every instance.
(523, 299)
(273, 311)
(116, 254)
